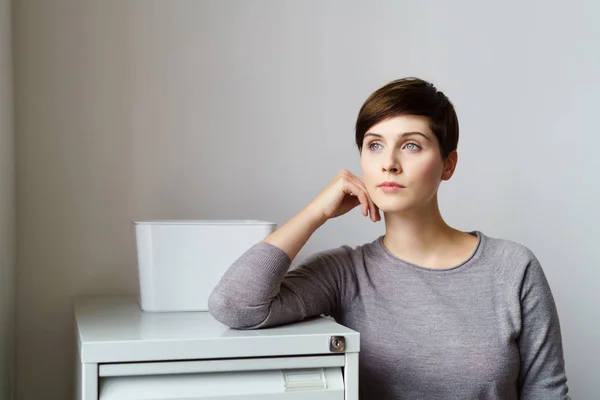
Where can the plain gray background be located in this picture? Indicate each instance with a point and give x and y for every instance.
(144, 109)
(7, 206)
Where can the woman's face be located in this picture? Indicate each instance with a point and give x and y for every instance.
(403, 150)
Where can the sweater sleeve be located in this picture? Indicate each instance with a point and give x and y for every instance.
(258, 291)
(542, 375)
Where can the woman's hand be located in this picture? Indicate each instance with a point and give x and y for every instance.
(341, 195)
(344, 192)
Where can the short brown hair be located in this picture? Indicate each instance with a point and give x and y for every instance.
(411, 96)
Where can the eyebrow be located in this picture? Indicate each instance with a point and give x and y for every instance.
(403, 134)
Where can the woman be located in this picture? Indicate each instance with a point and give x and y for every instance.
(442, 314)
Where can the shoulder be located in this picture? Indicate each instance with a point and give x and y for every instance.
(514, 260)
(347, 255)
(497, 247)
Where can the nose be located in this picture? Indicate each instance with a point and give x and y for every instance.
(391, 164)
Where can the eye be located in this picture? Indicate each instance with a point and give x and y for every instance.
(372, 146)
(412, 146)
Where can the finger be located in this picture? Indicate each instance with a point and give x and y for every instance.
(370, 206)
(373, 209)
(377, 214)
(364, 200)
(356, 190)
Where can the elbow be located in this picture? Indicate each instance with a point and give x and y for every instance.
(231, 312)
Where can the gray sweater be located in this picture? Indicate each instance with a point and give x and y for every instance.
(485, 329)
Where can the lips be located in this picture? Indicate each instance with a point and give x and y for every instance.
(391, 184)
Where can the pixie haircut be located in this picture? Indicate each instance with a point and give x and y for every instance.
(411, 96)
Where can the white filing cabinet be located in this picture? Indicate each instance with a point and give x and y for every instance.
(124, 353)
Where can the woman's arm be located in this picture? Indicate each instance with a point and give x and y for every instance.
(257, 291)
(542, 375)
(253, 292)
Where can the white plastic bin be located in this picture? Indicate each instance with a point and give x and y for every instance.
(181, 261)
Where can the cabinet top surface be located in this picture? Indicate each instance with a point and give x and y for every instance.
(118, 323)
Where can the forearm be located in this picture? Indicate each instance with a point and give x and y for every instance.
(294, 234)
(244, 294)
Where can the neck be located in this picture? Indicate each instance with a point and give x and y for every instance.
(417, 233)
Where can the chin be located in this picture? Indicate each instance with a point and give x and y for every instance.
(393, 205)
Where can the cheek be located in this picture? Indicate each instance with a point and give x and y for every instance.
(428, 170)
(370, 175)
(366, 167)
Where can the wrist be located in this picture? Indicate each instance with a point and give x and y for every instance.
(314, 218)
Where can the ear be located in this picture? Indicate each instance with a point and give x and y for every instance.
(450, 165)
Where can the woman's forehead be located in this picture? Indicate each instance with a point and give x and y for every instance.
(400, 125)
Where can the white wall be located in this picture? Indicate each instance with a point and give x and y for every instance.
(186, 109)
(7, 205)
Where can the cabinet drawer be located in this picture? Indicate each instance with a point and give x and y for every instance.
(291, 384)
(203, 366)
(289, 378)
